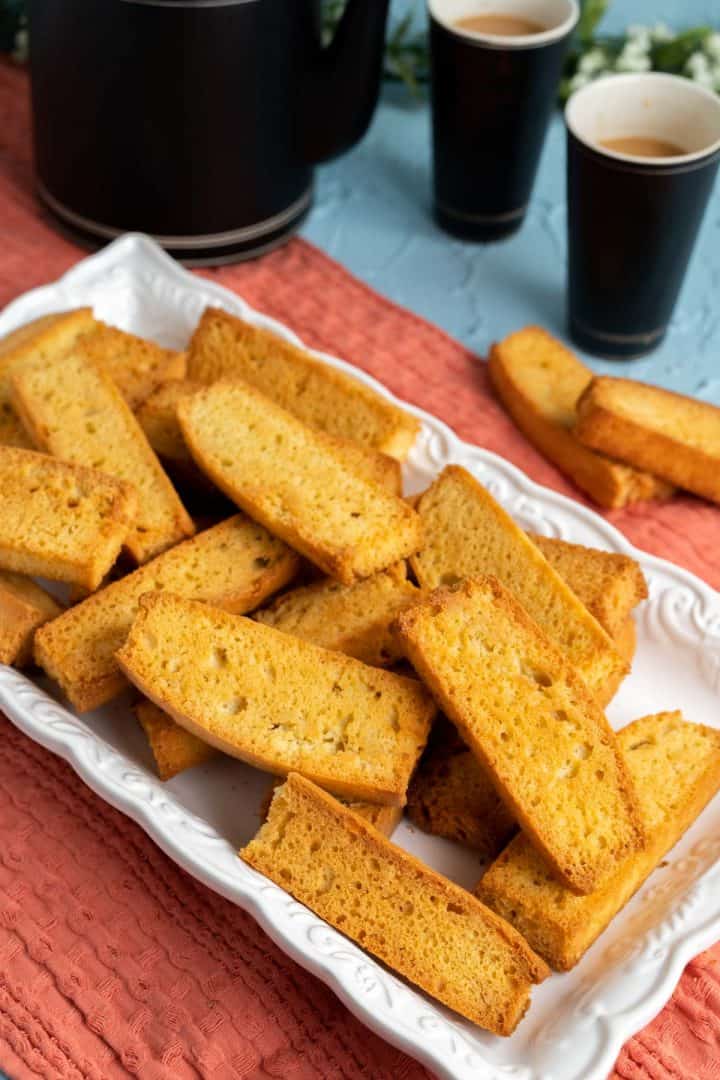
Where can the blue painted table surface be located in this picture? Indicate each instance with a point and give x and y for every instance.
(372, 213)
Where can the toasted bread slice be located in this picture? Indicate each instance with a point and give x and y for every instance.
(467, 533)
(23, 607)
(158, 418)
(235, 565)
(352, 619)
(292, 480)
(675, 767)
(277, 702)
(59, 521)
(46, 337)
(73, 409)
(452, 795)
(642, 425)
(533, 725)
(383, 818)
(610, 585)
(539, 382)
(136, 366)
(418, 923)
(324, 398)
(173, 748)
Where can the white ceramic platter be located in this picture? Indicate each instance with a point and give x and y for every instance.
(577, 1022)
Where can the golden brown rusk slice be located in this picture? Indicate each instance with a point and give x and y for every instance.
(277, 702)
(425, 927)
(675, 766)
(529, 718)
(235, 565)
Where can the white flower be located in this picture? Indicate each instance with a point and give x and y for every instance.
(661, 32)
(639, 37)
(712, 46)
(699, 69)
(594, 61)
(633, 58)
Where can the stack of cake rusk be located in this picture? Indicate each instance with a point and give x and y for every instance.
(371, 652)
(619, 440)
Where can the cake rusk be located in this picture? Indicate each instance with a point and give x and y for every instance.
(235, 565)
(74, 410)
(277, 702)
(291, 479)
(323, 397)
(24, 606)
(60, 521)
(46, 337)
(158, 418)
(609, 584)
(431, 931)
(675, 766)
(451, 795)
(466, 533)
(383, 818)
(136, 366)
(351, 619)
(647, 426)
(539, 382)
(530, 720)
(173, 748)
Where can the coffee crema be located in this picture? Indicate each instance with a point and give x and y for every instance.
(642, 146)
(499, 25)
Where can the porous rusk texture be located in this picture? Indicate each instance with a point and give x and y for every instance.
(610, 585)
(466, 533)
(173, 748)
(136, 366)
(291, 479)
(74, 410)
(60, 521)
(451, 795)
(539, 381)
(352, 619)
(383, 818)
(326, 399)
(277, 702)
(46, 337)
(235, 565)
(425, 927)
(647, 426)
(675, 766)
(158, 418)
(23, 607)
(532, 723)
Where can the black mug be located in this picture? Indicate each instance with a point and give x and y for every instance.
(196, 121)
(492, 97)
(635, 206)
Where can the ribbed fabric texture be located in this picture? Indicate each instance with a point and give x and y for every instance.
(113, 962)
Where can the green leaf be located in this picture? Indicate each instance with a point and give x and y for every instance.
(592, 11)
(673, 55)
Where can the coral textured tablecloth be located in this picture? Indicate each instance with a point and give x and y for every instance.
(115, 963)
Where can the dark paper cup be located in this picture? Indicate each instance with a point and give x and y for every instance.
(492, 98)
(632, 221)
